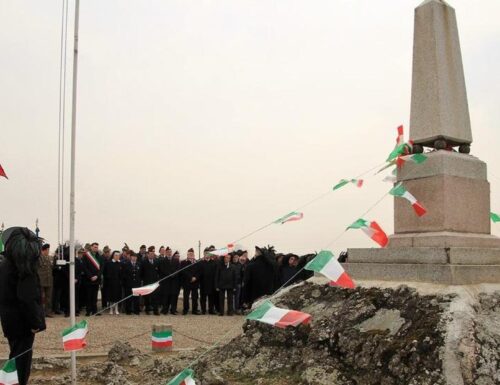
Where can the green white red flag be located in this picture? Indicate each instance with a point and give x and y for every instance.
(272, 315)
(415, 158)
(186, 377)
(162, 339)
(401, 192)
(400, 150)
(343, 182)
(290, 217)
(74, 337)
(495, 217)
(2, 173)
(372, 229)
(326, 264)
(400, 139)
(8, 373)
(145, 290)
(222, 252)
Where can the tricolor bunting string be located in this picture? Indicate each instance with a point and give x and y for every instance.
(298, 209)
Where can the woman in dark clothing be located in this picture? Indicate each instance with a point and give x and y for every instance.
(112, 275)
(261, 275)
(21, 309)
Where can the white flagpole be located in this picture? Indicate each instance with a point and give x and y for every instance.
(72, 190)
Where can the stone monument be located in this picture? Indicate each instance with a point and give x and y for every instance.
(452, 243)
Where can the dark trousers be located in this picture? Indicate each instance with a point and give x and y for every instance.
(187, 291)
(92, 290)
(19, 345)
(174, 298)
(105, 302)
(222, 293)
(151, 302)
(131, 304)
(204, 296)
(215, 299)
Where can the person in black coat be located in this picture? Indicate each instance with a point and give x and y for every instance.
(167, 266)
(112, 278)
(261, 275)
(175, 282)
(289, 271)
(207, 282)
(80, 278)
(190, 283)
(21, 309)
(132, 277)
(225, 282)
(92, 265)
(149, 276)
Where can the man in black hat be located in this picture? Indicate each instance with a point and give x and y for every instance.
(21, 310)
(190, 283)
(207, 282)
(150, 275)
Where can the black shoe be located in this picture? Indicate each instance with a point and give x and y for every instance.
(156, 312)
(58, 312)
(212, 312)
(87, 314)
(174, 313)
(98, 314)
(66, 315)
(184, 312)
(221, 314)
(164, 312)
(203, 312)
(148, 312)
(197, 312)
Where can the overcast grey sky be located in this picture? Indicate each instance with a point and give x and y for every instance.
(204, 120)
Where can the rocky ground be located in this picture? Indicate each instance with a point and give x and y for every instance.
(366, 336)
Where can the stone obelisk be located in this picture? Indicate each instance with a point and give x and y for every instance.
(452, 243)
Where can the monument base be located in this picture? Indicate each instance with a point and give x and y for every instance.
(449, 266)
(444, 239)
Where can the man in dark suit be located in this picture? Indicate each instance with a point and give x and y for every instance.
(132, 277)
(190, 283)
(150, 275)
(92, 264)
(207, 282)
(225, 282)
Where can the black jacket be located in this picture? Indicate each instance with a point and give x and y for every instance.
(261, 278)
(207, 277)
(20, 302)
(225, 276)
(149, 271)
(112, 276)
(91, 269)
(132, 275)
(190, 272)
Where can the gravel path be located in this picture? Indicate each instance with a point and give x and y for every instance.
(189, 331)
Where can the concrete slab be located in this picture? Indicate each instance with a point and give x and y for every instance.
(445, 274)
(444, 239)
(402, 255)
(474, 255)
(453, 204)
(444, 163)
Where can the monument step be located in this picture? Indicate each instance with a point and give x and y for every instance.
(445, 274)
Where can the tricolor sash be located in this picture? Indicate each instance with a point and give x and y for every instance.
(93, 260)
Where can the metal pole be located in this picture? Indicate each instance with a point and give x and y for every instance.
(72, 189)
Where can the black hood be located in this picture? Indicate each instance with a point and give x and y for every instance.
(22, 248)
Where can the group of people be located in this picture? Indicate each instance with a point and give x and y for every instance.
(209, 285)
(35, 284)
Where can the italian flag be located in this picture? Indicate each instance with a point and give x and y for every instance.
(372, 229)
(325, 263)
(8, 374)
(2, 173)
(400, 139)
(343, 182)
(401, 192)
(162, 339)
(145, 290)
(401, 149)
(272, 315)
(224, 251)
(495, 217)
(290, 217)
(416, 158)
(74, 337)
(392, 178)
(183, 378)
